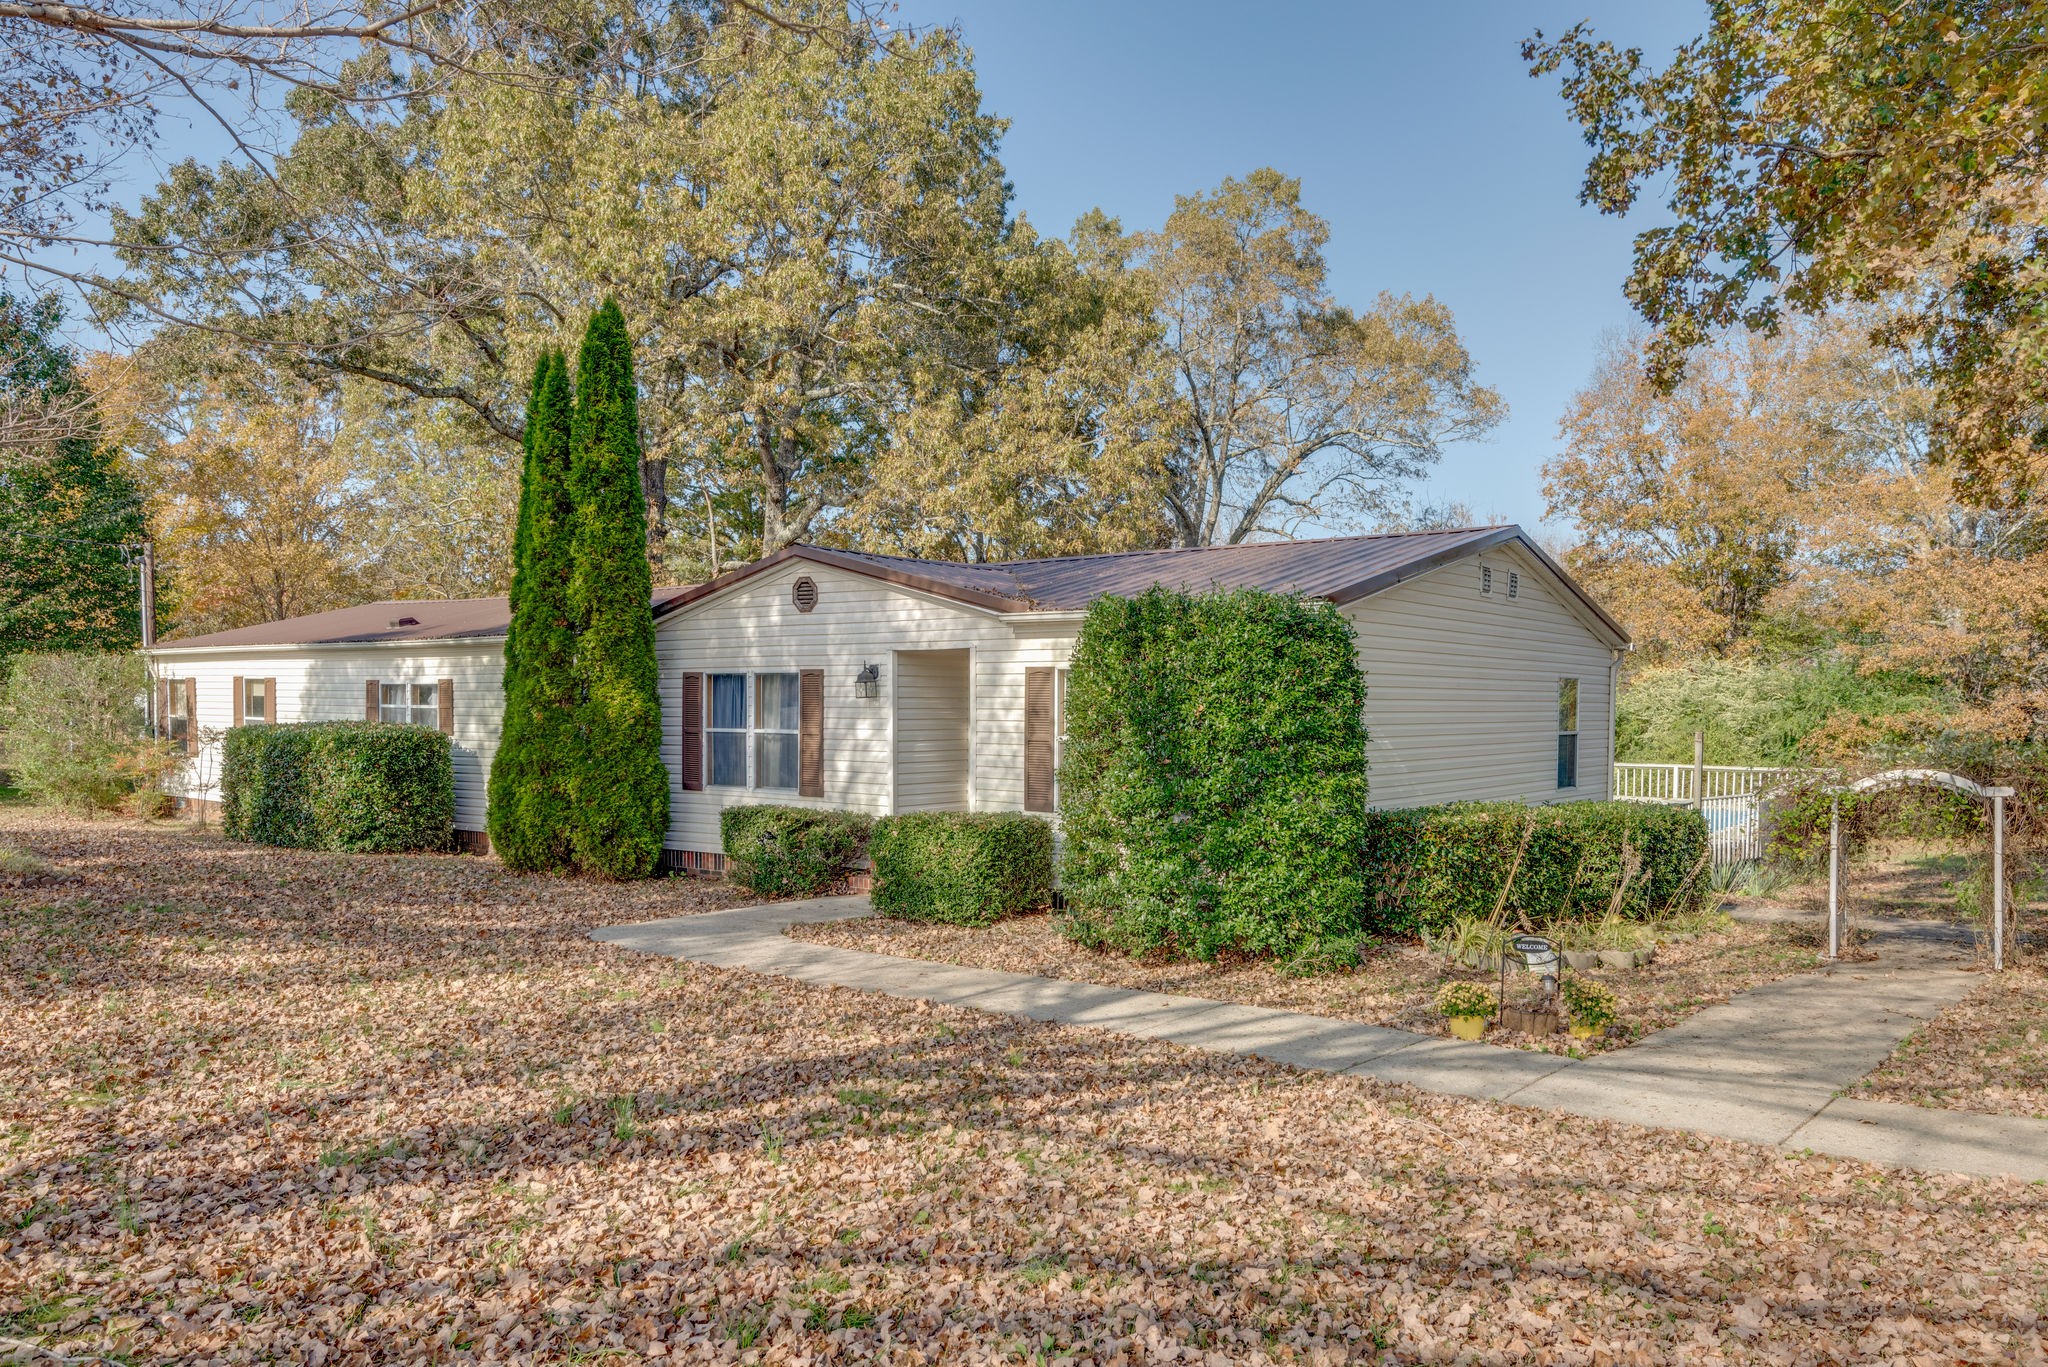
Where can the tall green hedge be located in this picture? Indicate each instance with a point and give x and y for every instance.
(529, 790)
(1213, 789)
(618, 785)
(965, 868)
(366, 787)
(1428, 865)
(777, 851)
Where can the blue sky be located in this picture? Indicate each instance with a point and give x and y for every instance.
(1414, 128)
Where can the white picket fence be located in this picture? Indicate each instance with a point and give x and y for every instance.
(1732, 801)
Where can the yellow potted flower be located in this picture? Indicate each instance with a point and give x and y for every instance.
(1590, 1006)
(1468, 1006)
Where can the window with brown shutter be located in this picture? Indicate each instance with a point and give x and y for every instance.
(373, 701)
(811, 733)
(693, 733)
(191, 711)
(446, 707)
(1038, 739)
(238, 700)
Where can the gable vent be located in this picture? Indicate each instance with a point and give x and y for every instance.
(804, 593)
(405, 621)
(1514, 584)
(1486, 579)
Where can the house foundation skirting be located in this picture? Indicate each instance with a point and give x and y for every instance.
(472, 842)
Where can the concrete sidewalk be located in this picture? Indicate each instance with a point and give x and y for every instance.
(1763, 1068)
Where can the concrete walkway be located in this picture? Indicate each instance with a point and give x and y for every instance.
(1763, 1068)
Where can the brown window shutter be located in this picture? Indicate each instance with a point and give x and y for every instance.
(373, 701)
(270, 708)
(810, 745)
(693, 733)
(239, 698)
(445, 701)
(191, 713)
(163, 707)
(1038, 739)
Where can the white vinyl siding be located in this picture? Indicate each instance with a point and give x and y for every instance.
(934, 742)
(857, 621)
(325, 683)
(1461, 686)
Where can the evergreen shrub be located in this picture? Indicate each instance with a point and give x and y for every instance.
(776, 851)
(618, 786)
(969, 869)
(74, 733)
(1212, 793)
(363, 787)
(1431, 865)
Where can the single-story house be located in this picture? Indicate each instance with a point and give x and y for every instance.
(841, 679)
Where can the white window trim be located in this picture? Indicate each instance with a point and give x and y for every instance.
(751, 732)
(251, 682)
(412, 705)
(1578, 698)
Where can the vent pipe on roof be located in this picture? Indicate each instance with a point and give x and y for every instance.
(405, 621)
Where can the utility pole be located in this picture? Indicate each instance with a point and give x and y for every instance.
(148, 594)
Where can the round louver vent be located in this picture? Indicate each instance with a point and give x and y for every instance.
(804, 593)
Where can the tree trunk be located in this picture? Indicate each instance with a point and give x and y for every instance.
(654, 488)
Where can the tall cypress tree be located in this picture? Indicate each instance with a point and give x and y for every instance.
(618, 785)
(529, 800)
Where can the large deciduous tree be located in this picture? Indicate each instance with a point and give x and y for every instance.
(70, 512)
(530, 819)
(795, 211)
(1811, 155)
(618, 786)
(1294, 408)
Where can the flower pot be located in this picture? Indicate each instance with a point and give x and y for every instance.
(1584, 1031)
(1617, 958)
(1467, 1027)
(1581, 960)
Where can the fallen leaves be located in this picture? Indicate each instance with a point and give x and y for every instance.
(268, 1105)
(1987, 1052)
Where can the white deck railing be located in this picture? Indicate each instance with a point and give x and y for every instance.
(1731, 806)
(1674, 782)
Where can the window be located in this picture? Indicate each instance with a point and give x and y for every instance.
(177, 725)
(418, 703)
(255, 701)
(1567, 733)
(776, 721)
(773, 723)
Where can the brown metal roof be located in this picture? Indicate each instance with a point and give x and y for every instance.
(408, 619)
(1339, 568)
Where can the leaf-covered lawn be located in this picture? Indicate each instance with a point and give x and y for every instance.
(1988, 1052)
(268, 1106)
(1396, 986)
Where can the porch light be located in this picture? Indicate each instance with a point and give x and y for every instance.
(868, 683)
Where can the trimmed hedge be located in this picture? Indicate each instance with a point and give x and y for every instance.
(1213, 788)
(970, 869)
(775, 851)
(1429, 865)
(364, 787)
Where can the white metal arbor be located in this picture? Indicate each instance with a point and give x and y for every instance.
(1925, 778)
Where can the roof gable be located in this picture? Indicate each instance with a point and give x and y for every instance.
(1342, 569)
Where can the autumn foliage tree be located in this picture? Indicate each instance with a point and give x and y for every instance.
(1812, 156)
